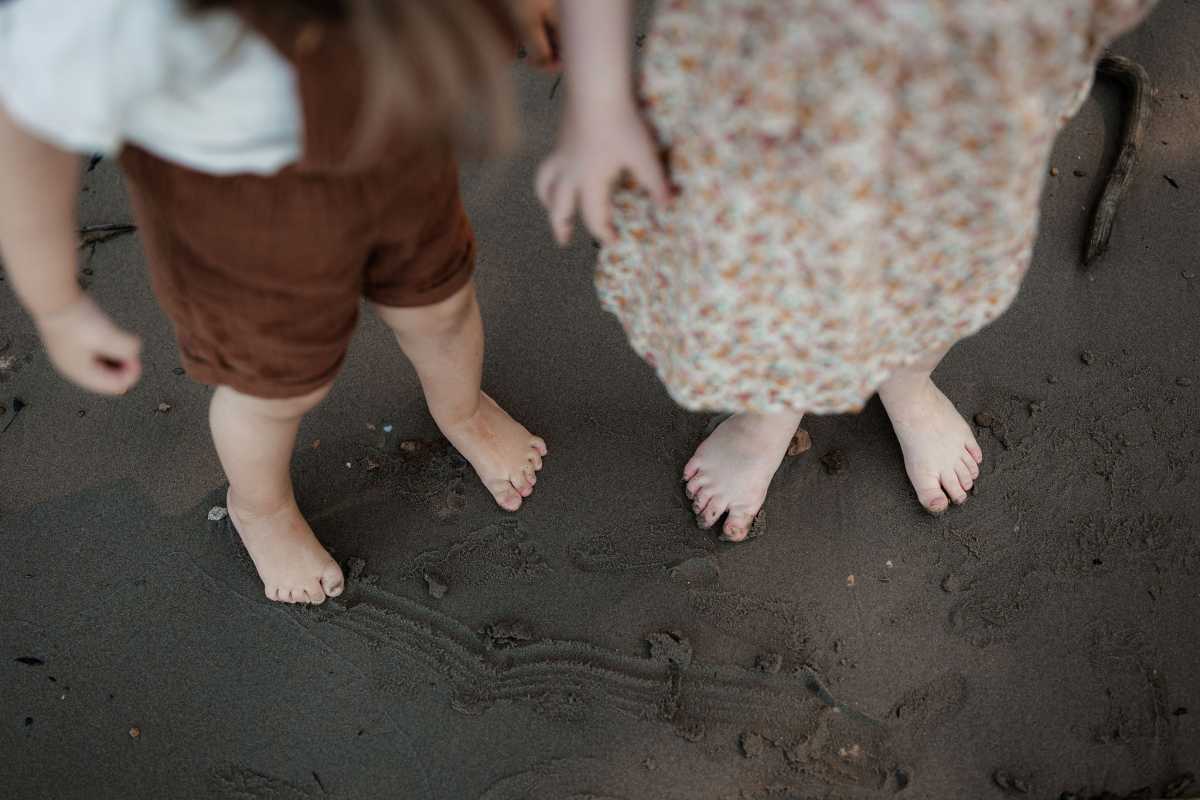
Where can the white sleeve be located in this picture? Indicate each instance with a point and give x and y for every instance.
(69, 70)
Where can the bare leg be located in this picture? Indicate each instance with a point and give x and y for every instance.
(444, 342)
(733, 467)
(254, 439)
(941, 455)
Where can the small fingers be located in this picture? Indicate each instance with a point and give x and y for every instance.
(547, 175)
(597, 212)
(650, 174)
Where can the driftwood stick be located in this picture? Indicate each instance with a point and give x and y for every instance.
(96, 234)
(1136, 82)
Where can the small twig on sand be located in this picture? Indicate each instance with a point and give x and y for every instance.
(1133, 77)
(95, 234)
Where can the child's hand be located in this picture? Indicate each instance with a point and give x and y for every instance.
(89, 349)
(593, 150)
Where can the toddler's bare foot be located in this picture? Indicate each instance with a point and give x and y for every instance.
(293, 565)
(733, 467)
(505, 455)
(941, 455)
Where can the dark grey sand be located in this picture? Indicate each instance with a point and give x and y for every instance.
(596, 645)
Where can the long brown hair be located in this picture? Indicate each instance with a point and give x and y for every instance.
(430, 65)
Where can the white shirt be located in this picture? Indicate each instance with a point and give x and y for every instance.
(205, 92)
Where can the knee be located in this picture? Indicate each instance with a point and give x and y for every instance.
(440, 319)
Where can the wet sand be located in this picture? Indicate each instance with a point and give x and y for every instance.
(1042, 638)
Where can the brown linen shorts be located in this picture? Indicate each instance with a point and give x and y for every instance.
(262, 275)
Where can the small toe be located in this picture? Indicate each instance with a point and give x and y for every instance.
(332, 582)
(530, 474)
(694, 486)
(700, 503)
(972, 465)
(314, 596)
(539, 444)
(931, 496)
(964, 476)
(953, 489)
(691, 469)
(520, 481)
(737, 526)
(535, 458)
(272, 592)
(976, 452)
(508, 499)
(712, 513)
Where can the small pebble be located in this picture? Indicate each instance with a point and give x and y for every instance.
(1054, 172)
(1080, 173)
(752, 745)
(178, 370)
(1188, 274)
(164, 408)
(769, 663)
(834, 461)
(135, 732)
(984, 419)
(372, 465)
(801, 443)
(437, 589)
(348, 465)
(387, 428)
(1051, 379)
(316, 443)
(82, 412)
(850, 581)
(408, 446)
(1183, 381)
(217, 513)
(1087, 357)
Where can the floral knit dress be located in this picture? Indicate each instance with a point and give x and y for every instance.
(859, 186)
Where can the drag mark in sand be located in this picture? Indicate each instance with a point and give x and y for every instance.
(480, 676)
(668, 685)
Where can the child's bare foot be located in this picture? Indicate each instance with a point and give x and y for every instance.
(505, 455)
(941, 455)
(293, 565)
(733, 467)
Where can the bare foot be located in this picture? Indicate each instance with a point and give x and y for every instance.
(941, 455)
(293, 565)
(505, 455)
(733, 467)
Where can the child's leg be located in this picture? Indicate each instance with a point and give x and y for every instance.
(733, 467)
(254, 439)
(445, 344)
(941, 455)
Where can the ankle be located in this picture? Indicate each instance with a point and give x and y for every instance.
(251, 506)
(454, 418)
(904, 388)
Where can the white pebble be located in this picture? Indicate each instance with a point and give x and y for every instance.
(217, 513)
(387, 428)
